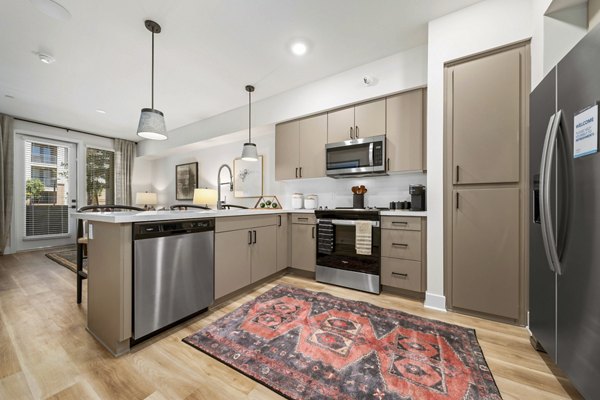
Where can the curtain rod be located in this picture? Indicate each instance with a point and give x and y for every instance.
(65, 128)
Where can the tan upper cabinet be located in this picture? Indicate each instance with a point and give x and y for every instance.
(300, 148)
(485, 118)
(313, 137)
(405, 131)
(369, 119)
(287, 156)
(360, 121)
(304, 246)
(340, 125)
(485, 251)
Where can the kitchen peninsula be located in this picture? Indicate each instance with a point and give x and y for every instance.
(249, 246)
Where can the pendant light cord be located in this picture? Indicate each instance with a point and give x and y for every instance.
(152, 70)
(249, 116)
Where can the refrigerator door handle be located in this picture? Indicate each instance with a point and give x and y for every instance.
(563, 227)
(550, 243)
(545, 191)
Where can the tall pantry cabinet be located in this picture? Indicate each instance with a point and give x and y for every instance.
(486, 183)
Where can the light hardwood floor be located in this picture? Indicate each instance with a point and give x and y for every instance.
(45, 351)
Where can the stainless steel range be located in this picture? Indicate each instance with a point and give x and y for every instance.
(349, 248)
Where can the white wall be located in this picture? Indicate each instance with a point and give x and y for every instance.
(395, 73)
(483, 26)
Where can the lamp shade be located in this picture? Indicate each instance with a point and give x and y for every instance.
(152, 125)
(146, 198)
(205, 196)
(249, 152)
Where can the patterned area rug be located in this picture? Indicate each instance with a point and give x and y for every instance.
(309, 345)
(67, 258)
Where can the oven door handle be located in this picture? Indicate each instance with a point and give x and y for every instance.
(344, 222)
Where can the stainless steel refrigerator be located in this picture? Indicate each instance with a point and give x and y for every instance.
(564, 296)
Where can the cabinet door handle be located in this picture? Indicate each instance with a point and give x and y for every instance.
(300, 172)
(400, 244)
(457, 199)
(249, 237)
(400, 275)
(457, 174)
(254, 234)
(296, 172)
(351, 136)
(313, 232)
(388, 164)
(279, 224)
(356, 132)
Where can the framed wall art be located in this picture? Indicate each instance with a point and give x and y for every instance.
(248, 178)
(186, 180)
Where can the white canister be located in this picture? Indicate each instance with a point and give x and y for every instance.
(297, 201)
(311, 202)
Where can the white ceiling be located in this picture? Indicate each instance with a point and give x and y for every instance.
(207, 52)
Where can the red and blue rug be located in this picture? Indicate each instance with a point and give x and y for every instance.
(309, 345)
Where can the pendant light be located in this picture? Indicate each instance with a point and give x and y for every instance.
(249, 152)
(152, 121)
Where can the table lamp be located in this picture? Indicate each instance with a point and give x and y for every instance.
(149, 200)
(205, 197)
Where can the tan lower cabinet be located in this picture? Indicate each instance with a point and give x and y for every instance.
(264, 252)
(244, 256)
(404, 253)
(486, 251)
(232, 261)
(402, 274)
(304, 246)
(283, 236)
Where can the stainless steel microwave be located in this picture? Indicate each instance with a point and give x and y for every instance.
(357, 157)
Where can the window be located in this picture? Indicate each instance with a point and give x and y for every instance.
(43, 153)
(44, 174)
(100, 181)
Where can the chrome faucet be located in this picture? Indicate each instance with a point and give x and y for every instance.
(219, 184)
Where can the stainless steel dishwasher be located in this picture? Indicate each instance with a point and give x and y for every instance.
(172, 273)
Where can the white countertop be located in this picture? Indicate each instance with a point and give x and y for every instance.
(403, 213)
(123, 217)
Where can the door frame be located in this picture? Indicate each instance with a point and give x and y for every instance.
(523, 184)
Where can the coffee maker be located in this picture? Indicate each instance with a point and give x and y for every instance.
(417, 197)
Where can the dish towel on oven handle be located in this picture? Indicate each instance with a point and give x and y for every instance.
(364, 237)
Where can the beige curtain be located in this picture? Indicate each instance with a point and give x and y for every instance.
(6, 178)
(124, 156)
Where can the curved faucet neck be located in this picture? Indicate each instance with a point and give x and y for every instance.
(219, 184)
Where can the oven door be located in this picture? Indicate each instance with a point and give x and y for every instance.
(359, 156)
(336, 247)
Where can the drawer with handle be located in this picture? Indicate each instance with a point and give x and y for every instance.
(402, 274)
(406, 223)
(308, 219)
(401, 244)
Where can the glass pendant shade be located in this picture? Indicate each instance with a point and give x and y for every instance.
(249, 152)
(152, 125)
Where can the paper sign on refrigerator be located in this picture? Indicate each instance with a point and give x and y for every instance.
(585, 140)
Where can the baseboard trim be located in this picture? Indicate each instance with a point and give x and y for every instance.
(435, 302)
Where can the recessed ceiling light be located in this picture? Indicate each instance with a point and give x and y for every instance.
(99, 111)
(299, 48)
(45, 57)
(52, 9)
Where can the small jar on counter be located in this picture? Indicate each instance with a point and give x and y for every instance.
(297, 201)
(311, 202)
